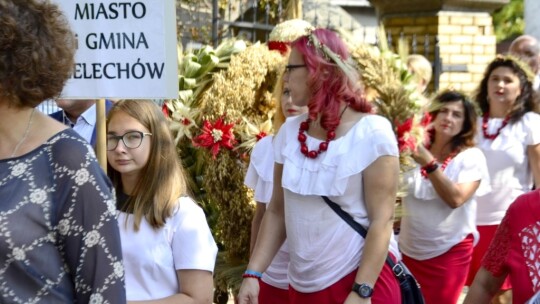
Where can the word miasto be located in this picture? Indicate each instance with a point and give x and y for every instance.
(115, 10)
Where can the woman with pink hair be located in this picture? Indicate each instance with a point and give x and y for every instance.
(339, 150)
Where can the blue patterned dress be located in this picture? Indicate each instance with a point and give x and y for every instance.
(59, 239)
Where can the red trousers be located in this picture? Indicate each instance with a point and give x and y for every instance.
(385, 291)
(442, 278)
(269, 294)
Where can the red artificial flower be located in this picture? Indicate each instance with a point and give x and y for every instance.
(166, 110)
(279, 46)
(215, 136)
(425, 122)
(405, 140)
(261, 135)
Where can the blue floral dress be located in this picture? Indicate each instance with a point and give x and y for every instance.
(59, 239)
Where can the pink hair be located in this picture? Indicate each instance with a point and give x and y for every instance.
(329, 85)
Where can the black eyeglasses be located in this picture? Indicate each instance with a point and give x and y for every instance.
(289, 67)
(132, 140)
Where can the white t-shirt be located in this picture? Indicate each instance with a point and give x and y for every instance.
(260, 178)
(151, 257)
(429, 227)
(508, 165)
(323, 247)
(260, 173)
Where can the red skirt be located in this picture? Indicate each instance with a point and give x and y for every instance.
(269, 294)
(385, 291)
(486, 235)
(442, 278)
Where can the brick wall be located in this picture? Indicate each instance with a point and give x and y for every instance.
(464, 38)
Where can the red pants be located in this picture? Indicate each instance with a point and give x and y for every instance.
(442, 278)
(486, 235)
(269, 294)
(385, 291)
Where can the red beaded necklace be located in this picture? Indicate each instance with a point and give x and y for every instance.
(330, 135)
(485, 125)
(443, 165)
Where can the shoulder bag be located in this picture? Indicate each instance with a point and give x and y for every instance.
(410, 289)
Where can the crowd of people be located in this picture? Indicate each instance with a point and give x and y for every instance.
(71, 233)
(468, 175)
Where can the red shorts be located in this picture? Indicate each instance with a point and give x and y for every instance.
(385, 291)
(269, 294)
(486, 235)
(442, 278)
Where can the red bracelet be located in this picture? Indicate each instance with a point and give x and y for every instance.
(430, 164)
(429, 168)
(248, 275)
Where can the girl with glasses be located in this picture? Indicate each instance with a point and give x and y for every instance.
(169, 252)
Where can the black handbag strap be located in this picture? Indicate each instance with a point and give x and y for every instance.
(396, 268)
(346, 217)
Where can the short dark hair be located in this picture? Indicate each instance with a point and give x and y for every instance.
(37, 51)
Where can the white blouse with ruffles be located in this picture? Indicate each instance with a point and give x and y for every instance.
(260, 178)
(429, 227)
(323, 248)
(508, 164)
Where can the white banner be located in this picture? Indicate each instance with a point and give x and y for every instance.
(125, 49)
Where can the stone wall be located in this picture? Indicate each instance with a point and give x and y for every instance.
(463, 28)
(466, 39)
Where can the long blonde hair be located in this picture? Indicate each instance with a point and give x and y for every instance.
(277, 94)
(162, 180)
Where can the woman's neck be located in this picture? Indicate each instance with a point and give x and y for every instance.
(441, 147)
(128, 183)
(13, 122)
(498, 110)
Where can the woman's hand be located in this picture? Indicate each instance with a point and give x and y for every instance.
(422, 156)
(249, 291)
(354, 298)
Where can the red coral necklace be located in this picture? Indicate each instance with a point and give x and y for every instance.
(485, 125)
(330, 135)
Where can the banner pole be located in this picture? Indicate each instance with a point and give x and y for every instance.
(101, 144)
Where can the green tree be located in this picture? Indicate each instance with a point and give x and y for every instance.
(508, 21)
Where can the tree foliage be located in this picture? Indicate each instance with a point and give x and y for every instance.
(508, 21)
